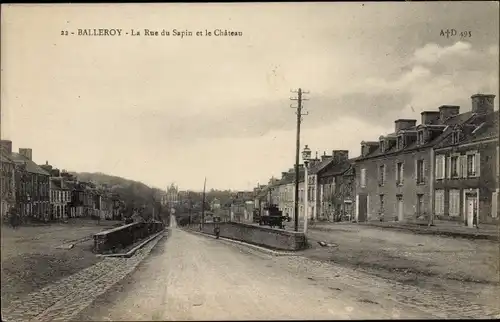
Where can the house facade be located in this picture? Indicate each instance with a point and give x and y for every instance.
(32, 187)
(337, 191)
(7, 179)
(286, 190)
(466, 168)
(395, 175)
(60, 198)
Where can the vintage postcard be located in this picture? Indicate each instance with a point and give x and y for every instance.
(250, 161)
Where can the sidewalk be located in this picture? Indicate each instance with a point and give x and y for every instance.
(489, 232)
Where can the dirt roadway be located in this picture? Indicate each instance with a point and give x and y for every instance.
(414, 254)
(193, 277)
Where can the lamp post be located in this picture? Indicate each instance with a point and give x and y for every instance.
(306, 156)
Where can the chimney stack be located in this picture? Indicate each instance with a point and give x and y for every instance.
(403, 124)
(430, 117)
(340, 155)
(27, 153)
(447, 111)
(6, 145)
(483, 103)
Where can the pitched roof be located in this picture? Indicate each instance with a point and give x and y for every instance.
(320, 165)
(338, 169)
(478, 128)
(450, 122)
(31, 166)
(57, 183)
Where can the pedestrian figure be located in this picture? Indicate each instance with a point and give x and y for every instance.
(217, 232)
(474, 220)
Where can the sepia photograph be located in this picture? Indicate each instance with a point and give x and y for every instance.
(250, 161)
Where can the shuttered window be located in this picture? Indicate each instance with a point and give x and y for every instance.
(363, 178)
(494, 204)
(454, 203)
(399, 173)
(440, 166)
(439, 202)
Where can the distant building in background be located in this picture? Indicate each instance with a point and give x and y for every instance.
(172, 195)
(215, 204)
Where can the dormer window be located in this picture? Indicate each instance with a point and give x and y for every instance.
(420, 137)
(455, 137)
(382, 146)
(400, 142)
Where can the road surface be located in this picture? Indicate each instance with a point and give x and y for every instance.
(193, 277)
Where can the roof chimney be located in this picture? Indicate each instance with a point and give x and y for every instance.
(6, 145)
(402, 124)
(447, 111)
(27, 153)
(483, 103)
(340, 156)
(430, 117)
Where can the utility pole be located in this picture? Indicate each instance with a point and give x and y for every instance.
(299, 100)
(203, 205)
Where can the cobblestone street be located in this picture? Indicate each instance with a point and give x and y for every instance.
(67, 297)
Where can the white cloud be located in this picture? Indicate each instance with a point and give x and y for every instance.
(434, 53)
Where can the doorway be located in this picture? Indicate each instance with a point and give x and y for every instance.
(470, 208)
(399, 205)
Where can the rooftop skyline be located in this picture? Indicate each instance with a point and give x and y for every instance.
(162, 110)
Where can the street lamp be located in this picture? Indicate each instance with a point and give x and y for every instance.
(306, 156)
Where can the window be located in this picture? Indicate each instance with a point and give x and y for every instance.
(440, 166)
(439, 202)
(381, 174)
(471, 165)
(363, 178)
(420, 203)
(400, 142)
(494, 204)
(382, 146)
(399, 173)
(381, 209)
(420, 171)
(455, 137)
(420, 137)
(454, 203)
(454, 166)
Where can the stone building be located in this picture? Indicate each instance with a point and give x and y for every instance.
(7, 179)
(32, 187)
(337, 191)
(466, 168)
(395, 176)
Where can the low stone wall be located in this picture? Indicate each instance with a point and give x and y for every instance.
(257, 235)
(123, 236)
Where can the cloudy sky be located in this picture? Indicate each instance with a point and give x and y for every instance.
(171, 109)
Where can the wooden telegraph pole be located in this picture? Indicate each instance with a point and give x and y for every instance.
(203, 205)
(299, 113)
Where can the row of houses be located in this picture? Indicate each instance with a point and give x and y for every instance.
(43, 193)
(444, 169)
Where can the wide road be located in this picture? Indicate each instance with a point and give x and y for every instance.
(193, 277)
